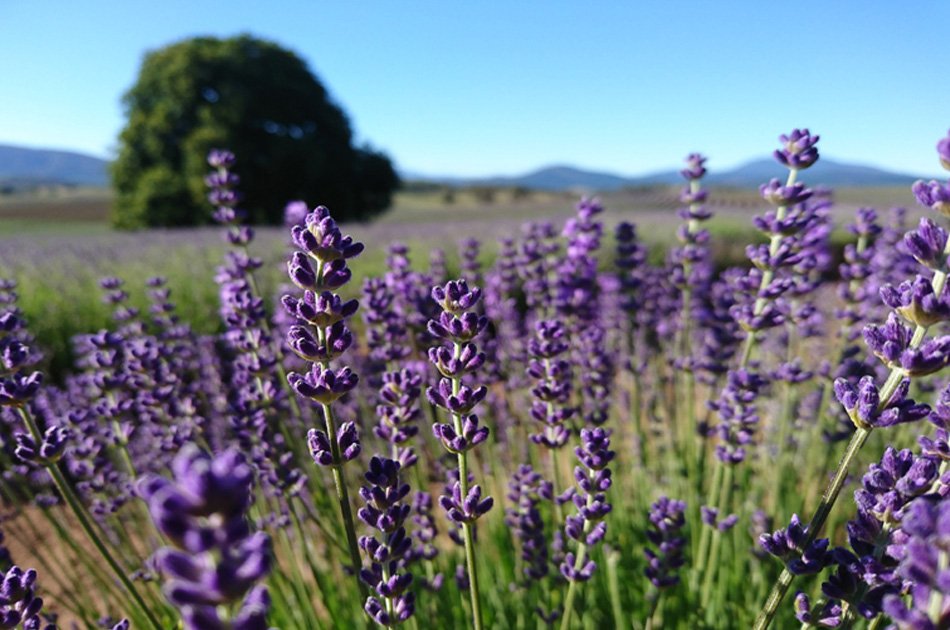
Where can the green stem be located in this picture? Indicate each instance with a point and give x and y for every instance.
(343, 498)
(572, 586)
(467, 528)
(578, 563)
(715, 491)
(613, 584)
(654, 607)
(76, 506)
(780, 589)
(713, 562)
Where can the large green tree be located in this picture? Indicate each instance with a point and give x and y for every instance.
(262, 102)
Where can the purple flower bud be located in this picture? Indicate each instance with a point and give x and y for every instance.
(466, 509)
(695, 166)
(221, 158)
(916, 302)
(19, 389)
(461, 402)
(570, 571)
(455, 297)
(779, 195)
(323, 385)
(48, 452)
(799, 151)
(927, 243)
(321, 238)
(933, 195)
(203, 513)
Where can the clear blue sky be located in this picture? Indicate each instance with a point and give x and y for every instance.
(487, 87)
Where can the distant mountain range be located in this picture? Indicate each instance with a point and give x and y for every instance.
(26, 166)
(751, 174)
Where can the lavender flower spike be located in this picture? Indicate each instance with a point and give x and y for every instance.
(587, 527)
(320, 336)
(458, 325)
(667, 518)
(216, 560)
(386, 550)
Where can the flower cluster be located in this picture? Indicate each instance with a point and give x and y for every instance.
(667, 519)
(790, 545)
(458, 325)
(577, 287)
(216, 560)
(691, 262)
(535, 263)
(386, 512)
(18, 383)
(321, 334)
(553, 388)
(526, 490)
(19, 605)
(588, 527)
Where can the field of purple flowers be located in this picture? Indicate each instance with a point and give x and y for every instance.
(574, 435)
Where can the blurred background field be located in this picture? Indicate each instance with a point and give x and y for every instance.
(57, 243)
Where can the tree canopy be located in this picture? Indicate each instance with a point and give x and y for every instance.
(258, 100)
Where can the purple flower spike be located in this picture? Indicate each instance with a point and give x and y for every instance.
(527, 491)
(799, 150)
(320, 335)
(593, 478)
(667, 519)
(385, 512)
(553, 390)
(926, 543)
(217, 560)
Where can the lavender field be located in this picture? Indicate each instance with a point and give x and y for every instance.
(643, 410)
